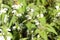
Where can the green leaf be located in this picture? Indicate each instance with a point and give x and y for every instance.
(42, 20)
(24, 39)
(43, 34)
(30, 25)
(12, 21)
(51, 29)
(58, 38)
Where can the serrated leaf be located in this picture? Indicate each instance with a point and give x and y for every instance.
(43, 34)
(30, 25)
(51, 29)
(42, 20)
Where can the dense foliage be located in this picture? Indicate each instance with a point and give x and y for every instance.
(30, 19)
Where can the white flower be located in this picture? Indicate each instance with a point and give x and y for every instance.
(38, 36)
(19, 15)
(1, 30)
(32, 31)
(5, 9)
(32, 10)
(57, 7)
(36, 22)
(14, 27)
(21, 4)
(8, 29)
(28, 17)
(6, 18)
(18, 28)
(2, 11)
(38, 15)
(15, 6)
(28, 8)
(1, 37)
(14, 11)
(41, 15)
(58, 14)
(8, 38)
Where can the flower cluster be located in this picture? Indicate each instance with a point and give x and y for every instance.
(4, 10)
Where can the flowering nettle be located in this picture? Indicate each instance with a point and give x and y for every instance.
(29, 21)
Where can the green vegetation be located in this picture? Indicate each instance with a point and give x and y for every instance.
(30, 19)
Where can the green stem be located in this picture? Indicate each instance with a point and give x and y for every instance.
(38, 2)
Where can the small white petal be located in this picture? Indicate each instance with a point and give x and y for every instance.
(32, 10)
(19, 15)
(41, 15)
(38, 15)
(8, 38)
(28, 8)
(14, 27)
(1, 37)
(57, 7)
(32, 31)
(14, 11)
(36, 22)
(38, 36)
(15, 6)
(0, 29)
(29, 18)
(9, 29)
(5, 9)
(58, 14)
(18, 28)
(21, 4)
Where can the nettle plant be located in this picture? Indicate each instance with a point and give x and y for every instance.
(30, 20)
